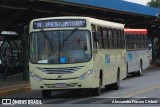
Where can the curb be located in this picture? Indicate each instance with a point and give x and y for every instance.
(6, 92)
(153, 65)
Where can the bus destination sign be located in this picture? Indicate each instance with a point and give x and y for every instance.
(59, 23)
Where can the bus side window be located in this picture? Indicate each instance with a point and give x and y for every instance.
(110, 38)
(141, 41)
(115, 38)
(132, 41)
(122, 38)
(100, 37)
(138, 41)
(129, 41)
(135, 41)
(146, 41)
(118, 39)
(105, 38)
(94, 36)
(123, 41)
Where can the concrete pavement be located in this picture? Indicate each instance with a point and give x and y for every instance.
(14, 84)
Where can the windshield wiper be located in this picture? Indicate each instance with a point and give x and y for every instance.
(46, 37)
(68, 36)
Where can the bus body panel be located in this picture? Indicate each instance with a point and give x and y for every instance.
(134, 58)
(107, 60)
(70, 78)
(137, 49)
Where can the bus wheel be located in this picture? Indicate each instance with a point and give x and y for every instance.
(117, 84)
(46, 93)
(139, 73)
(108, 87)
(97, 91)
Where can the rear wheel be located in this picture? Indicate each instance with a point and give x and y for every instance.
(117, 84)
(46, 93)
(139, 73)
(126, 71)
(108, 87)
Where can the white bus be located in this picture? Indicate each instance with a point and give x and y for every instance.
(137, 50)
(76, 53)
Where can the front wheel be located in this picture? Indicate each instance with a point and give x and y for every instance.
(97, 91)
(46, 93)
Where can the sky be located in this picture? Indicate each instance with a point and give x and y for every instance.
(143, 2)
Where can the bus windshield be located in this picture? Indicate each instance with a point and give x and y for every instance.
(60, 47)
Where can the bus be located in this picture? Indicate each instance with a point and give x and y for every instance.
(69, 53)
(137, 51)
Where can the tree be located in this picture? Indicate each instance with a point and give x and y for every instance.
(154, 3)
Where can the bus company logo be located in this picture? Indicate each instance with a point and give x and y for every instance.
(59, 76)
(6, 101)
(107, 59)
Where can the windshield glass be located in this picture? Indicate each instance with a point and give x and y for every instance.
(60, 47)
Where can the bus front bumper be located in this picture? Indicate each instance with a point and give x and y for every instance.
(89, 82)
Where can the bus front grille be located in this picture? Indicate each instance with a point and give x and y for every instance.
(60, 70)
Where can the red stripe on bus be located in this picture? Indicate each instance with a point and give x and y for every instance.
(135, 31)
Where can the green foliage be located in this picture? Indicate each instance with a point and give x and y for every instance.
(154, 3)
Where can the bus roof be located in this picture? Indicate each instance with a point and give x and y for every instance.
(108, 23)
(135, 31)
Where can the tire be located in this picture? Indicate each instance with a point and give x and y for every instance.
(77, 92)
(97, 91)
(108, 87)
(139, 73)
(117, 84)
(46, 93)
(126, 72)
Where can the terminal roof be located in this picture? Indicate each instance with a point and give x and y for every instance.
(119, 5)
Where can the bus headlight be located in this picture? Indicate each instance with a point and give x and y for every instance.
(85, 75)
(36, 77)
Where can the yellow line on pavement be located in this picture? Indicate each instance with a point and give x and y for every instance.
(141, 91)
(15, 91)
(14, 86)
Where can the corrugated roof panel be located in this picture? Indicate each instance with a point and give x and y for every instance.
(119, 5)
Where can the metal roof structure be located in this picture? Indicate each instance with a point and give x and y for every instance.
(15, 14)
(119, 5)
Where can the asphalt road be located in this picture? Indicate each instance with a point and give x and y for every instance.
(132, 88)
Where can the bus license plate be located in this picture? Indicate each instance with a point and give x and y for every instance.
(60, 85)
